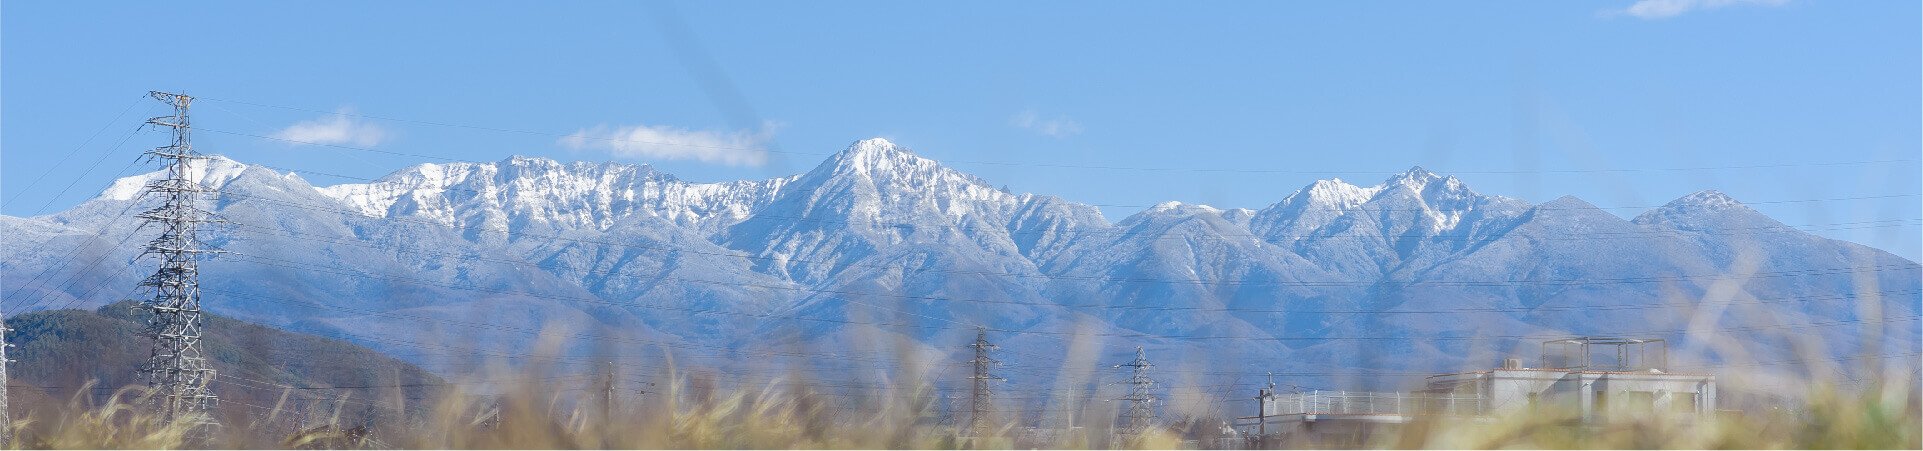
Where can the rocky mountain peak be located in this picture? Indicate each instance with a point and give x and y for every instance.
(1416, 178)
(1333, 194)
(877, 156)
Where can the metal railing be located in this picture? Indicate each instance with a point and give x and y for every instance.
(1393, 403)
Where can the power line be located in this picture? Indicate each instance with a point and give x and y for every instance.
(14, 297)
(812, 384)
(104, 226)
(533, 332)
(391, 278)
(935, 388)
(1112, 230)
(1071, 166)
(1177, 371)
(1793, 325)
(525, 234)
(817, 356)
(90, 169)
(1021, 274)
(1536, 207)
(814, 356)
(337, 146)
(525, 132)
(1233, 373)
(1799, 361)
(182, 128)
(76, 151)
(661, 277)
(1813, 324)
(1269, 238)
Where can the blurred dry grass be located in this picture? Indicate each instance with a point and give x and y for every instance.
(1831, 420)
(121, 422)
(534, 416)
(692, 408)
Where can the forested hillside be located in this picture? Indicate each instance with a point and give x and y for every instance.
(61, 352)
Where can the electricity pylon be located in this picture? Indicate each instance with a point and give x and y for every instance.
(979, 407)
(1140, 414)
(177, 371)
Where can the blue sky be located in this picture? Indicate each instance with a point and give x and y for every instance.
(1810, 111)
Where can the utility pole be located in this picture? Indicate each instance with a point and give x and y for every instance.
(607, 396)
(6, 420)
(1140, 415)
(979, 407)
(176, 371)
(1264, 403)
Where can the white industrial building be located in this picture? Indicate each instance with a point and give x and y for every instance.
(1593, 375)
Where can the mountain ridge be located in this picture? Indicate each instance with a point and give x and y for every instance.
(876, 234)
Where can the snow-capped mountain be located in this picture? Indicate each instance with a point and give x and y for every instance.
(1416, 273)
(548, 194)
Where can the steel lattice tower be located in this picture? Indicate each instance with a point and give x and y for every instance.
(980, 406)
(1140, 414)
(177, 372)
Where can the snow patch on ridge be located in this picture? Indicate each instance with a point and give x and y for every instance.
(214, 171)
(1185, 207)
(1708, 199)
(898, 178)
(1332, 195)
(1416, 179)
(540, 190)
(1701, 210)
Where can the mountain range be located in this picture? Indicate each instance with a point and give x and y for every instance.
(879, 256)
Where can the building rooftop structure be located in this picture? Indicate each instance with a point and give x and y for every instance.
(1579, 354)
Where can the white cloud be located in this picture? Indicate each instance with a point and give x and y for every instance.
(341, 128)
(1058, 126)
(738, 148)
(1659, 9)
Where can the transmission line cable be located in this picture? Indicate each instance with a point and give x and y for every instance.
(1066, 166)
(392, 278)
(1115, 231)
(278, 233)
(525, 234)
(76, 150)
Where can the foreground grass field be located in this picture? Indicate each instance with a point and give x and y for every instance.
(545, 404)
(1882, 416)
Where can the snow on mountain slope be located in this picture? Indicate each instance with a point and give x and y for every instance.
(1178, 269)
(1788, 276)
(214, 171)
(877, 237)
(302, 259)
(881, 226)
(1410, 220)
(1044, 226)
(876, 195)
(520, 192)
